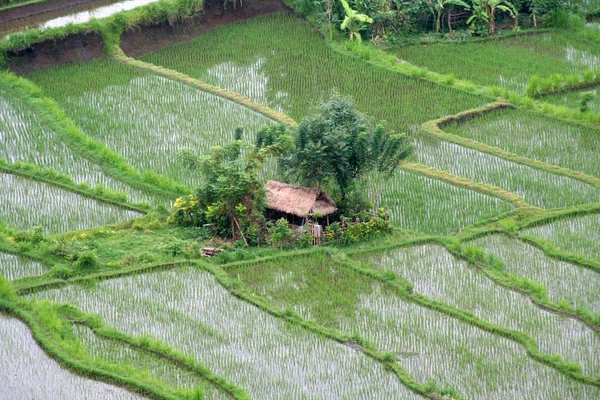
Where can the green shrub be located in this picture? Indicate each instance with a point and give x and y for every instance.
(87, 261)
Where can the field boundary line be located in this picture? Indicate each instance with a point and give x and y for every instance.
(78, 189)
(238, 289)
(435, 127)
(234, 392)
(558, 214)
(226, 94)
(82, 368)
(87, 147)
(23, 286)
(526, 287)
(404, 291)
(554, 252)
(458, 181)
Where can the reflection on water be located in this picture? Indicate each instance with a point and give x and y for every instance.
(77, 14)
(101, 12)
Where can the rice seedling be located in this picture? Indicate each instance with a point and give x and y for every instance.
(577, 235)
(535, 136)
(437, 274)
(14, 267)
(538, 188)
(269, 358)
(281, 61)
(564, 281)
(143, 117)
(430, 206)
(27, 204)
(25, 137)
(508, 63)
(429, 345)
(28, 373)
(114, 352)
(571, 99)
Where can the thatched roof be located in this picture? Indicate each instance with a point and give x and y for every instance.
(298, 200)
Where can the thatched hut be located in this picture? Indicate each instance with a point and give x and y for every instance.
(295, 203)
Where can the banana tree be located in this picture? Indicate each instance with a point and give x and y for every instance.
(492, 6)
(354, 22)
(438, 7)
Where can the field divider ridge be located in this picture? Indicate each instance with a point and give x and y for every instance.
(238, 289)
(50, 342)
(435, 127)
(87, 147)
(237, 98)
(554, 252)
(155, 348)
(64, 182)
(380, 58)
(458, 181)
(536, 292)
(404, 290)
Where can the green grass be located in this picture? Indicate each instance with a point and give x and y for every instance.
(115, 352)
(14, 267)
(537, 137)
(30, 374)
(440, 276)
(577, 235)
(27, 203)
(571, 99)
(536, 187)
(428, 205)
(189, 310)
(281, 61)
(25, 137)
(143, 117)
(564, 281)
(427, 344)
(508, 63)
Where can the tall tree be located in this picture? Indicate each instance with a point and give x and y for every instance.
(339, 145)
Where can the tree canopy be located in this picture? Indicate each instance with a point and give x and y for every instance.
(338, 145)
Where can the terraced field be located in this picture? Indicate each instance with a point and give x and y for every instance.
(572, 99)
(494, 63)
(487, 289)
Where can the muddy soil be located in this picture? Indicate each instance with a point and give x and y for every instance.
(139, 41)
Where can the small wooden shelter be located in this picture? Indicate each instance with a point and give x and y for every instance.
(296, 203)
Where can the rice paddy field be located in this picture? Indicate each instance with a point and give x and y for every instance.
(119, 106)
(431, 206)
(25, 137)
(426, 343)
(14, 267)
(281, 61)
(114, 352)
(27, 204)
(437, 274)
(537, 137)
(537, 187)
(577, 235)
(233, 338)
(392, 317)
(564, 281)
(508, 63)
(28, 373)
(571, 99)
